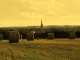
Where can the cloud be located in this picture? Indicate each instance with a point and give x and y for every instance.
(14, 8)
(48, 10)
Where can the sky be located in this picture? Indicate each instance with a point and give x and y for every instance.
(30, 12)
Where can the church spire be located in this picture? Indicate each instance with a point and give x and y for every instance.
(41, 27)
(41, 24)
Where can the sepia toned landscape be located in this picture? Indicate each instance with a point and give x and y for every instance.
(45, 44)
(39, 30)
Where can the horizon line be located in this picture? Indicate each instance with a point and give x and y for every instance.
(39, 25)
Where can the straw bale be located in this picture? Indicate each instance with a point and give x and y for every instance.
(14, 37)
(20, 36)
(72, 35)
(30, 36)
(50, 35)
(1, 37)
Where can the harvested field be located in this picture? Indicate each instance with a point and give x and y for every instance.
(43, 49)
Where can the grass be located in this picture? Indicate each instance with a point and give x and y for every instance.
(43, 49)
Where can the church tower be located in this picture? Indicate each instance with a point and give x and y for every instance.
(41, 27)
(41, 24)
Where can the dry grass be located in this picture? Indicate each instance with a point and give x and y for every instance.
(57, 49)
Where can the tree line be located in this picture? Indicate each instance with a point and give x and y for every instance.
(58, 33)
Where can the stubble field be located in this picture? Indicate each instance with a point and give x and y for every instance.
(42, 49)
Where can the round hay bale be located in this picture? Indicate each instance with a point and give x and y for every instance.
(50, 35)
(38, 38)
(14, 37)
(20, 36)
(30, 36)
(1, 37)
(72, 35)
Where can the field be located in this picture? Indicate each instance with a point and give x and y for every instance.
(43, 49)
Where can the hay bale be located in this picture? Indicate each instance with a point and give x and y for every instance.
(38, 38)
(50, 35)
(1, 37)
(72, 35)
(20, 36)
(14, 37)
(30, 36)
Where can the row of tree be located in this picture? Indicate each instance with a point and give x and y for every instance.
(57, 34)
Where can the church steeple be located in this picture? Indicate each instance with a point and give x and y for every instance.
(41, 27)
(41, 24)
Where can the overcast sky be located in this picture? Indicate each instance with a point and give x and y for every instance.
(30, 12)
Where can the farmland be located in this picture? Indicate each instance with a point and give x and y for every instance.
(42, 49)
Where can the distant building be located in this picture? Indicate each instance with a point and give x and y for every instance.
(41, 24)
(41, 27)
